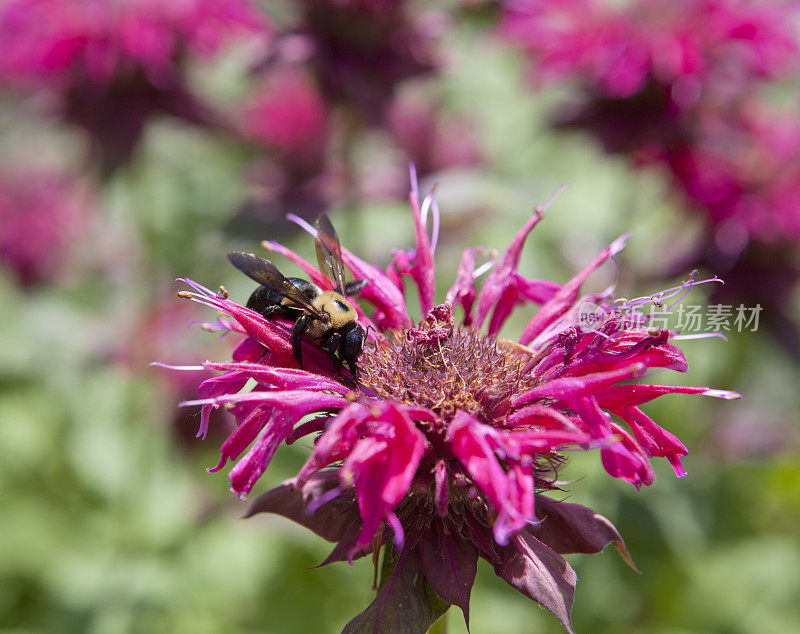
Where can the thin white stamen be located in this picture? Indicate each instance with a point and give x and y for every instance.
(302, 223)
(158, 364)
(560, 189)
(483, 268)
(412, 175)
(702, 335)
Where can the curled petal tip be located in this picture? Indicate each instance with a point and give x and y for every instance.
(302, 223)
(728, 395)
(619, 244)
(540, 209)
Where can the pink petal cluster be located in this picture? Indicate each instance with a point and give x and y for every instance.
(337, 73)
(679, 84)
(680, 45)
(41, 214)
(110, 65)
(394, 41)
(744, 170)
(52, 41)
(289, 117)
(446, 442)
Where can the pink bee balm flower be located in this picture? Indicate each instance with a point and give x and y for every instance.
(41, 213)
(676, 83)
(114, 63)
(679, 45)
(289, 117)
(444, 447)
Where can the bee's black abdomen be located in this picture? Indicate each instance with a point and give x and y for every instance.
(262, 298)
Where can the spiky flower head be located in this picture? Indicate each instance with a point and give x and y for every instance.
(444, 446)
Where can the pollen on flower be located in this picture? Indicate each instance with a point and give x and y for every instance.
(460, 370)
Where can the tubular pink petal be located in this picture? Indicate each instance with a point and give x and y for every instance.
(423, 270)
(566, 297)
(244, 475)
(462, 292)
(568, 388)
(245, 433)
(501, 279)
(213, 388)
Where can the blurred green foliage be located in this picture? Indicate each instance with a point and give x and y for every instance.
(111, 525)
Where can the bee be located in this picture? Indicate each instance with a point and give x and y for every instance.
(324, 316)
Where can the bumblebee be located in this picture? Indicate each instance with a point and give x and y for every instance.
(325, 316)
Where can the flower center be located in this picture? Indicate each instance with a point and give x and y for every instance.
(446, 368)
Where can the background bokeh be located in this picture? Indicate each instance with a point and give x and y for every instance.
(140, 141)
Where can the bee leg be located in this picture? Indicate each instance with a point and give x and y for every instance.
(352, 345)
(269, 311)
(297, 343)
(331, 345)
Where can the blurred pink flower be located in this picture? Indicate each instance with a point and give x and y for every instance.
(430, 141)
(744, 169)
(360, 50)
(114, 63)
(289, 117)
(679, 45)
(448, 437)
(41, 214)
(677, 83)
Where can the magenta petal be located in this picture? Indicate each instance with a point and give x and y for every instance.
(449, 563)
(537, 291)
(382, 467)
(250, 468)
(214, 387)
(568, 294)
(654, 439)
(337, 441)
(381, 292)
(632, 395)
(624, 459)
(473, 443)
(568, 388)
(531, 442)
(282, 378)
(242, 436)
(248, 350)
(423, 270)
(502, 279)
(462, 292)
(539, 573)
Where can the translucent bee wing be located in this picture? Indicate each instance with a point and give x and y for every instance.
(329, 254)
(267, 274)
